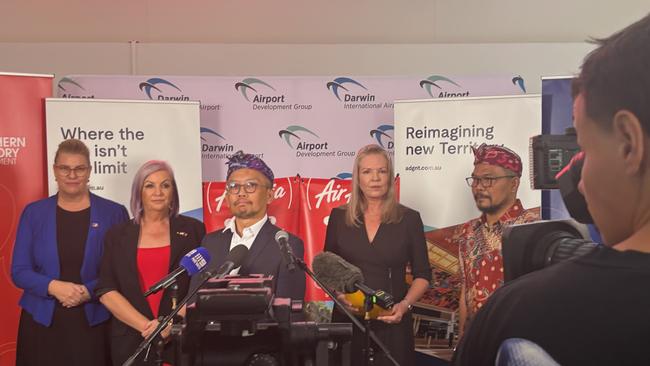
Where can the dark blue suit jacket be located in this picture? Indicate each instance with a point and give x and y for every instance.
(36, 259)
(264, 257)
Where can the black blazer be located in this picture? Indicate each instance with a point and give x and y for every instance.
(264, 257)
(119, 271)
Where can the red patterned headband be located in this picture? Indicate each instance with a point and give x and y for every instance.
(499, 156)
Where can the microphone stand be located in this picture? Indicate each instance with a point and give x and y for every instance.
(160, 344)
(365, 329)
(368, 352)
(166, 320)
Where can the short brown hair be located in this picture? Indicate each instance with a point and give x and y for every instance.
(73, 146)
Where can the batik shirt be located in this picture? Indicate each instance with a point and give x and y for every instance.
(479, 246)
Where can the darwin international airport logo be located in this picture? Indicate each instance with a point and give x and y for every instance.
(343, 83)
(214, 145)
(439, 81)
(210, 132)
(519, 81)
(381, 135)
(157, 88)
(354, 95)
(294, 132)
(252, 84)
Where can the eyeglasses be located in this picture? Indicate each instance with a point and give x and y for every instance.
(78, 170)
(249, 187)
(485, 182)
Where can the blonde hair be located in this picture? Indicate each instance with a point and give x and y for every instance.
(391, 212)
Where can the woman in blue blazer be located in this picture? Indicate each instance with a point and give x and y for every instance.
(56, 259)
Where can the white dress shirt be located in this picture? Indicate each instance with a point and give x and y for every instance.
(248, 235)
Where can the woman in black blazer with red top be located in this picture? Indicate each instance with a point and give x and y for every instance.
(139, 253)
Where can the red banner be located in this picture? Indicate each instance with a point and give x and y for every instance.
(283, 210)
(318, 198)
(301, 206)
(22, 180)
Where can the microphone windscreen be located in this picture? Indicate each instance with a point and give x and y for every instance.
(336, 273)
(281, 235)
(195, 260)
(237, 255)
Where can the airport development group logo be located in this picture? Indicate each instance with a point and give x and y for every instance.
(251, 84)
(161, 89)
(308, 144)
(266, 97)
(442, 83)
(295, 132)
(383, 138)
(353, 94)
(519, 81)
(66, 84)
(214, 145)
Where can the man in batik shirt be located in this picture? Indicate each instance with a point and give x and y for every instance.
(494, 183)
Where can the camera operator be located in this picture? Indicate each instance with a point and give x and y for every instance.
(594, 309)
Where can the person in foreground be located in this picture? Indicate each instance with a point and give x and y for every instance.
(592, 310)
(381, 237)
(249, 191)
(59, 244)
(139, 253)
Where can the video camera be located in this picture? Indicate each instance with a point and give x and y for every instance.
(556, 164)
(236, 320)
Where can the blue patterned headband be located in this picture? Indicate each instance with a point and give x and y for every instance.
(239, 160)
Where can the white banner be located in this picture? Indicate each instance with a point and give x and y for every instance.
(122, 135)
(433, 154)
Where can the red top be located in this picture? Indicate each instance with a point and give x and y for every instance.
(153, 264)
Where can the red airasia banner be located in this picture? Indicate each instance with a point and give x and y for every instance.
(301, 206)
(319, 197)
(22, 180)
(283, 211)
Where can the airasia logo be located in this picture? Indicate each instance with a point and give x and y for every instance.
(332, 192)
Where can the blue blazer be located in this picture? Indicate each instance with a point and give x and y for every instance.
(36, 259)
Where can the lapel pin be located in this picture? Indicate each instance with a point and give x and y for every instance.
(94, 224)
(182, 233)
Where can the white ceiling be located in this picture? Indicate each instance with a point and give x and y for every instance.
(314, 22)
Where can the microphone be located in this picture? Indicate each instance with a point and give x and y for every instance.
(234, 260)
(192, 263)
(338, 274)
(282, 238)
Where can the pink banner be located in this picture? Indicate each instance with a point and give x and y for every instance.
(22, 180)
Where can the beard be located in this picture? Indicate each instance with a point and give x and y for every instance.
(491, 207)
